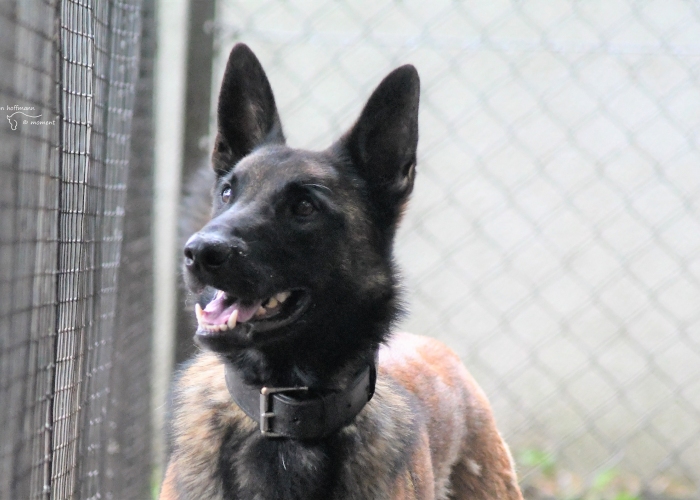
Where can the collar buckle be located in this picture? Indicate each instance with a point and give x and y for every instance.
(310, 418)
(266, 412)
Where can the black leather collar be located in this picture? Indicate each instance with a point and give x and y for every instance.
(280, 414)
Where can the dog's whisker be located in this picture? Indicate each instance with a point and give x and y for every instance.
(319, 186)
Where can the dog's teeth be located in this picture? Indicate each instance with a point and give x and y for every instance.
(261, 310)
(198, 312)
(272, 303)
(282, 296)
(231, 323)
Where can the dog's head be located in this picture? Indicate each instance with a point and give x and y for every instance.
(299, 247)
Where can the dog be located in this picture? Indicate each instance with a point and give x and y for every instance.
(300, 390)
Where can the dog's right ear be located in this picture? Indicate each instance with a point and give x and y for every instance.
(247, 115)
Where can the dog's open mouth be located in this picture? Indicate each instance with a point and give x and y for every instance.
(225, 313)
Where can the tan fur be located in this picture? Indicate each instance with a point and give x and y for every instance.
(460, 426)
(168, 491)
(457, 452)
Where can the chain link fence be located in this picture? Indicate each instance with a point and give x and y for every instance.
(554, 236)
(75, 293)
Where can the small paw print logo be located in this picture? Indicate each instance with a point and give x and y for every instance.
(13, 122)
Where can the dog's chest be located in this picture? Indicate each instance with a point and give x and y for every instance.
(218, 451)
(254, 467)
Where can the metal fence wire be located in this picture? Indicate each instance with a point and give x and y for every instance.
(75, 293)
(554, 235)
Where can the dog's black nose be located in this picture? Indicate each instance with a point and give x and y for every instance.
(206, 251)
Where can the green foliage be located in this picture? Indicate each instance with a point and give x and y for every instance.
(604, 487)
(551, 481)
(603, 480)
(538, 459)
(623, 495)
(156, 478)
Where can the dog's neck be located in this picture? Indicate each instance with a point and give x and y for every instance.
(275, 368)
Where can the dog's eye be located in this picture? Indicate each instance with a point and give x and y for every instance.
(226, 194)
(303, 208)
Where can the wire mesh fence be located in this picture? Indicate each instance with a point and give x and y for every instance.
(554, 236)
(74, 303)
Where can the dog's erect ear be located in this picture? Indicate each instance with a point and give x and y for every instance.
(382, 143)
(247, 114)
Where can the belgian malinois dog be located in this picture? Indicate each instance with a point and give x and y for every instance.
(301, 391)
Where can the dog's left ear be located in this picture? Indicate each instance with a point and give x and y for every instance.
(382, 143)
(247, 115)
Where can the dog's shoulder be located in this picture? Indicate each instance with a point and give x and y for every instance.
(412, 432)
(203, 414)
(383, 445)
(203, 408)
(458, 418)
(432, 372)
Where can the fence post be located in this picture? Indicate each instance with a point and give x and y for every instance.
(196, 141)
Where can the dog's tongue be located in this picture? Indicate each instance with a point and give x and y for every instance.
(219, 310)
